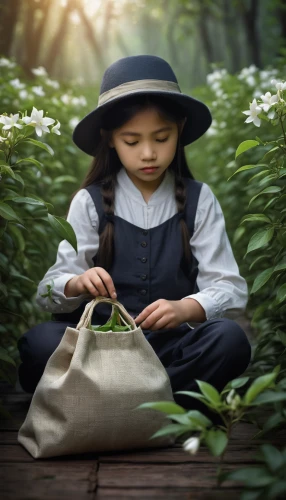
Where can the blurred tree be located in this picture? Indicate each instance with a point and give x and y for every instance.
(58, 40)
(35, 15)
(9, 16)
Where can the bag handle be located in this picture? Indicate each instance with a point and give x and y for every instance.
(88, 311)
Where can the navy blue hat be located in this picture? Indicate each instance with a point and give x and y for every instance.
(142, 74)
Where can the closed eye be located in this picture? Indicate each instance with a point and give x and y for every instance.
(158, 140)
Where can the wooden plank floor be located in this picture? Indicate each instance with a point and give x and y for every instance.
(168, 473)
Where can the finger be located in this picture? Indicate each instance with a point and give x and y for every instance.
(162, 324)
(107, 280)
(149, 322)
(90, 287)
(147, 312)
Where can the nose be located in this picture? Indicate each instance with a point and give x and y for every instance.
(148, 153)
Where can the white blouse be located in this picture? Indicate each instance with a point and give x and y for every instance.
(223, 291)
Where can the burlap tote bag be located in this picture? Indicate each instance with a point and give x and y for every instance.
(86, 398)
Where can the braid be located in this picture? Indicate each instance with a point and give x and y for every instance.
(106, 239)
(181, 197)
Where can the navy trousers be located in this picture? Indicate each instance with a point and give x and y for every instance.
(216, 351)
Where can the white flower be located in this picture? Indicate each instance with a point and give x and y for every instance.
(55, 129)
(268, 101)
(53, 83)
(79, 101)
(233, 399)
(73, 122)
(271, 114)
(10, 121)
(40, 71)
(250, 80)
(230, 396)
(36, 119)
(65, 98)
(23, 94)
(278, 85)
(253, 112)
(17, 84)
(7, 63)
(246, 72)
(38, 90)
(192, 445)
(2, 139)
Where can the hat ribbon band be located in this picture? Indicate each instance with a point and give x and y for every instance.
(130, 87)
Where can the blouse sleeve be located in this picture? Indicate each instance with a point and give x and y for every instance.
(84, 219)
(223, 291)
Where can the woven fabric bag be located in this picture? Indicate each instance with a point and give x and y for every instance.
(86, 398)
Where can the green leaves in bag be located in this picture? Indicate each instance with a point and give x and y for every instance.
(114, 324)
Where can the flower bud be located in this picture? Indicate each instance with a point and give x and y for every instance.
(192, 445)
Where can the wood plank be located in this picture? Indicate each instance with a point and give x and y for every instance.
(180, 475)
(48, 480)
(168, 493)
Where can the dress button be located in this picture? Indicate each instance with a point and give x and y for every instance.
(144, 259)
(144, 244)
(143, 276)
(143, 291)
(144, 232)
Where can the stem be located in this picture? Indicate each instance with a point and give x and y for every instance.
(281, 122)
(219, 469)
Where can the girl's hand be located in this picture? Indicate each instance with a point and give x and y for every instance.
(97, 281)
(162, 314)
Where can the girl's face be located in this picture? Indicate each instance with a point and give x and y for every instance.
(147, 140)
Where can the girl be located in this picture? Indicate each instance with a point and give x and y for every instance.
(149, 234)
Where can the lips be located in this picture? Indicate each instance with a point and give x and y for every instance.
(147, 168)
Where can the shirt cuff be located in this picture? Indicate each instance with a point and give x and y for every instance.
(59, 303)
(210, 305)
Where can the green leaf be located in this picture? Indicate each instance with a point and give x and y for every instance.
(41, 145)
(241, 169)
(256, 217)
(198, 418)
(195, 395)
(235, 383)
(244, 146)
(30, 160)
(272, 457)
(280, 266)
(4, 356)
(259, 385)
(169, 429)
(7, 170)
(268, 190)
(164, 406)
(261, 279)
(262, 237)
(19, 179)
(251, 476)
(276, 489)
(269, 397)
(26, 199)
(65, 178)
(209, 392)
(180, 419)
(281, 294)
(216, 441)
(63, 229)
(8, 213)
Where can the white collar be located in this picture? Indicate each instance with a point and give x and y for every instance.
(165, 190)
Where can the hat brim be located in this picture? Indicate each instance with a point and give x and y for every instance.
(86, 134)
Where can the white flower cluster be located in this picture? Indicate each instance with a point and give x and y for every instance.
(6, 63)
(36, 120)
(267, 101)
